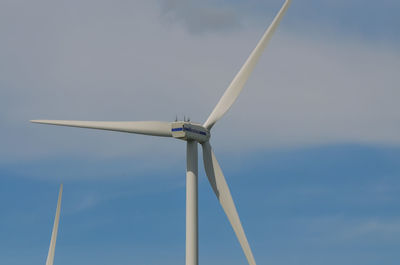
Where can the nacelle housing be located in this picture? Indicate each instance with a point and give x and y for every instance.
(189, 131)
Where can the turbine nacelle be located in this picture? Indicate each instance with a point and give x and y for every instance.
(189, 131)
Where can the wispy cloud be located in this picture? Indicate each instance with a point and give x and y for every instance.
(86, 202)
(378, 228)
(200, 17)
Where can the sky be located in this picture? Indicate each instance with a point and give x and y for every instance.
(310, 150)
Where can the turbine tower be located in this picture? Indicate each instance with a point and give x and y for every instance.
(52, 248)
(193, 134)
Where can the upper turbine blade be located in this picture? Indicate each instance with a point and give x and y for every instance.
(234, 89)
(52, 248)
(155, 128)
(221, 189)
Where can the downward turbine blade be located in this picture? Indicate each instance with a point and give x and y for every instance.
(236, 86)
(221, 190)
(154, 128)
(52, 248)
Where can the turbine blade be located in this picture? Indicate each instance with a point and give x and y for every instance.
(155, 128)
(221, 189)
(52, 248)
(236, 86)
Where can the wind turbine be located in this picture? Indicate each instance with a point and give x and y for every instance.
(52, 248)
(194, 133)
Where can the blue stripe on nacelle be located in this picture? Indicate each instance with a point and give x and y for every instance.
(189, 130)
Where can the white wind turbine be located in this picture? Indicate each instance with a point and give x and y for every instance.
(52, 248)
(196, 133)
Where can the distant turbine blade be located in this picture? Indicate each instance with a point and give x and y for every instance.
(52, 248)
(221, 189)
(234, 89)
(154, 128)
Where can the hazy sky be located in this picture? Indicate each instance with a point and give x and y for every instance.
(310, 149)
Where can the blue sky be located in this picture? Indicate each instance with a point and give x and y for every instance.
(311, 149)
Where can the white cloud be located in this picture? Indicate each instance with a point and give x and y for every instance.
(308, 90)
(121, 61)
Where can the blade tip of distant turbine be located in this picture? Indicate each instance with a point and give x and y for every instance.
(52, 247)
